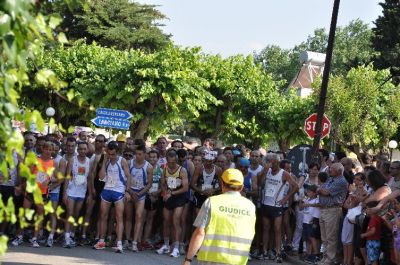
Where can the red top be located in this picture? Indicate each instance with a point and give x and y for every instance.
(375, 221)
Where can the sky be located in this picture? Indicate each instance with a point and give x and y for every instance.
(233, 27)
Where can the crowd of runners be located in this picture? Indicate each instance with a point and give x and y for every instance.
(132, 195)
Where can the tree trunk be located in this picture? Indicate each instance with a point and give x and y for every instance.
(140, 131)
(284, 144)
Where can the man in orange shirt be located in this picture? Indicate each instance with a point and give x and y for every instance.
(43, 171)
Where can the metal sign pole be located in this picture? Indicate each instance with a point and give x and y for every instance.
(325, 80)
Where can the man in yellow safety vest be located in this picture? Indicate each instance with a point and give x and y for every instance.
(224, 225)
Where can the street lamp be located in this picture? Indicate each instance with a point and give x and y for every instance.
(392, 145)
(50, 111)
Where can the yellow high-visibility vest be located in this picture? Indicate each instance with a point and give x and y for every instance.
(230, 231)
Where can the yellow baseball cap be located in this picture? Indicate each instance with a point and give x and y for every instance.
(232, 176)
(121, 138)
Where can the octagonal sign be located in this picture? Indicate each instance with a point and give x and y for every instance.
(310, 126)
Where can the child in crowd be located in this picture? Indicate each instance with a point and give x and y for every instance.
(373, 236)
(357, 194)
(311, 232)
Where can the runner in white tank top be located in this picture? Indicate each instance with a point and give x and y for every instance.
(76, 187)
(274, 179)
(115, 172)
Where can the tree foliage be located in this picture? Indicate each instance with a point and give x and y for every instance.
(352, 48)
(386, 39)
(161, 89)
(122, 24)
(364, 108)
(21, 32)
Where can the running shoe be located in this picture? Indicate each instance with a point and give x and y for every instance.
(126, 245)
(17, 241)
(182, 250)
(100, 245)
(271, 255)
(50, 242)
(135, 247)
(175, 253)
(146, 246)
(278, 258)
(163, 250)
(35, 244)
(119, 249)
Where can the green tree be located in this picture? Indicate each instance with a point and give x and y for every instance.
(352, 48)
(22, 30)
(386, 39)
(363, 108)
(122, 24)
(161, 89)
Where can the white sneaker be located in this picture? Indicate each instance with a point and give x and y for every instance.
(17, 241)
(163, 250)
(175, 253)
(49, 242)
(134, 247)
(35, 244)
(119, 249)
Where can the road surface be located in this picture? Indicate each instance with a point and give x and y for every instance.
(56, 255)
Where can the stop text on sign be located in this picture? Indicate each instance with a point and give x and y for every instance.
(310, 126)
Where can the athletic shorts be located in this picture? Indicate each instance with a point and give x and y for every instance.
(175, 201)
(347, 232)
(111, 196)
(77, 199)
(141, 198)
(316, 230)
(54, 197)
(307, 232)
(373, 250)
(198, 200)
(271, 211)
(6, 192)
(152, 205)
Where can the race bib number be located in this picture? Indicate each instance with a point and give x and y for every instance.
(206, 187)
(269, 192)
(41, 177)
(80, 180)
(136, 184)
(154, 188)
(172, 183)
(111, 182)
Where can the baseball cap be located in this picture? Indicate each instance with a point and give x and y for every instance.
(121, 138)
(244, 162)
(210, 155)
(232, 176)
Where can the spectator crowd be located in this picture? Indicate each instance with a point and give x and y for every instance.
(132, 195)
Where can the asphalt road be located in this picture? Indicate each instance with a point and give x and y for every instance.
(24, 255)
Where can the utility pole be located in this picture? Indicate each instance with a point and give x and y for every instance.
(325, 80)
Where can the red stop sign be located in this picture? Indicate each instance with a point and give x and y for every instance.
(310, 126)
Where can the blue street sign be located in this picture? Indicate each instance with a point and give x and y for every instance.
(113, 113)
(111, 123)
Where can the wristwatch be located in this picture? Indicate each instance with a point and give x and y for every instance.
(187, 259)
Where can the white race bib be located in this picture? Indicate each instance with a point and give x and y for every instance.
(111, 182)
(269, 192)
(136, 184)
(172, 183)
(80, 180)
(154, 188)
(41, 177)
(206, 187)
